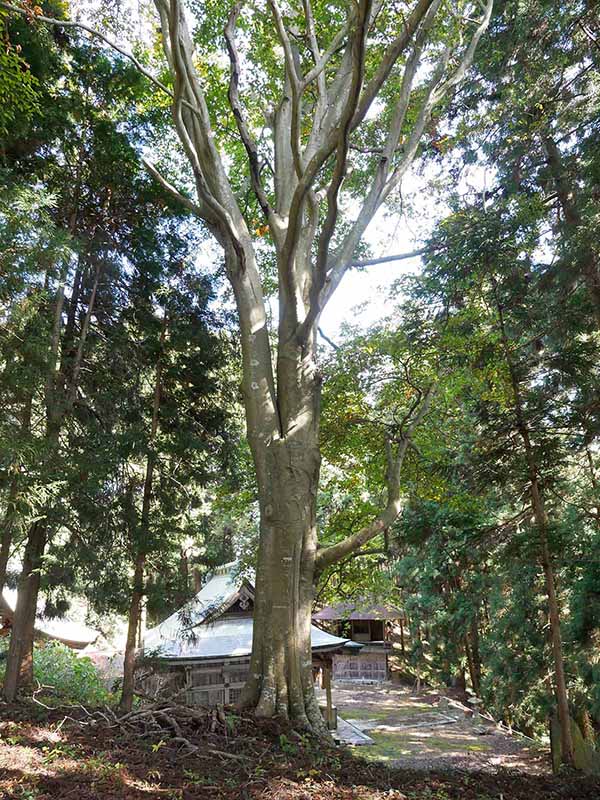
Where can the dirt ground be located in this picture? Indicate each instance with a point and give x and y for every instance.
(412, 731)
(59, 755)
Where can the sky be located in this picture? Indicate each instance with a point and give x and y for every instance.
(363, 297)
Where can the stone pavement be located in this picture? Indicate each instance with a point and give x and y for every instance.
(412, 730)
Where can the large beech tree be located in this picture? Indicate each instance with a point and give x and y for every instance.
(293, 149)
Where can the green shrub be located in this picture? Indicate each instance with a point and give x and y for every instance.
(66, 676)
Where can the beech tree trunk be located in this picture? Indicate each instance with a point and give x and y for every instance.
(282, 409)
(287, 469)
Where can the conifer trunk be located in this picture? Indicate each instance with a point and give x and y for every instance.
(7, 529)
(19, 663)
(10, 519)
(541, 521)
(59, 398)
(475, 652)
(141, 542)
(567, 193)
(133, 621)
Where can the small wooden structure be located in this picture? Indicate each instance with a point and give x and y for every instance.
(365, 623)
(49, 631)
(205, 647)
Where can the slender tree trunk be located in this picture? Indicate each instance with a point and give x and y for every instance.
(541, 521)
(142, 625)
(471, 644)
(10, 520)
(137, 594)
(133, 622)
(19, 664)
(476, 653)
(184, 577)
(567, 197)
(7, 528)
(197, 580)
(60, 396)
(470, 664)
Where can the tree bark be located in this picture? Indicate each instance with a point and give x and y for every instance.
(476, 653)
(141, 542)
(19, 664)
(287, 468)
(8, 530)
(10, 520)
(471, 642)
(566, 191)
(541, 521)
(59, 399)
(127, 691)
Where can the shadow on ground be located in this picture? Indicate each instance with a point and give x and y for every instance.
(61, 758)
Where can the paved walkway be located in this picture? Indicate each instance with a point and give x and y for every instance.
(412, 730)
(349, 733)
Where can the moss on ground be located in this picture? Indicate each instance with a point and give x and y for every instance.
(363, 713)
(392, 745)
(390, 712)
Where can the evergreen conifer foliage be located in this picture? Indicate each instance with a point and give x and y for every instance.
(98, 258)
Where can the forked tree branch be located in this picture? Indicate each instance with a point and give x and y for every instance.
(67, 23)
(172, 190)
(321, 61)
(390, 58)
(383, 183)
(327, 556)
(195, 131)
(359, 40)
(238, 113)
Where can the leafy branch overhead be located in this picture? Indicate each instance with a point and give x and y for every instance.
(297, 124)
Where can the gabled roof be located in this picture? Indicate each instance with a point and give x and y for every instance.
(231, 637)
(218, 594)
(199, 629)
(66, 630)
(358, 609)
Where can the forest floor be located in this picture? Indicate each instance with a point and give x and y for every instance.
(411, 730)
(57, 754)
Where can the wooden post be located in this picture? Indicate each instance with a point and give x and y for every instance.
(327, 686)
(142, 625)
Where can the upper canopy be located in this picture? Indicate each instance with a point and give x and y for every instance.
(199, 629)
